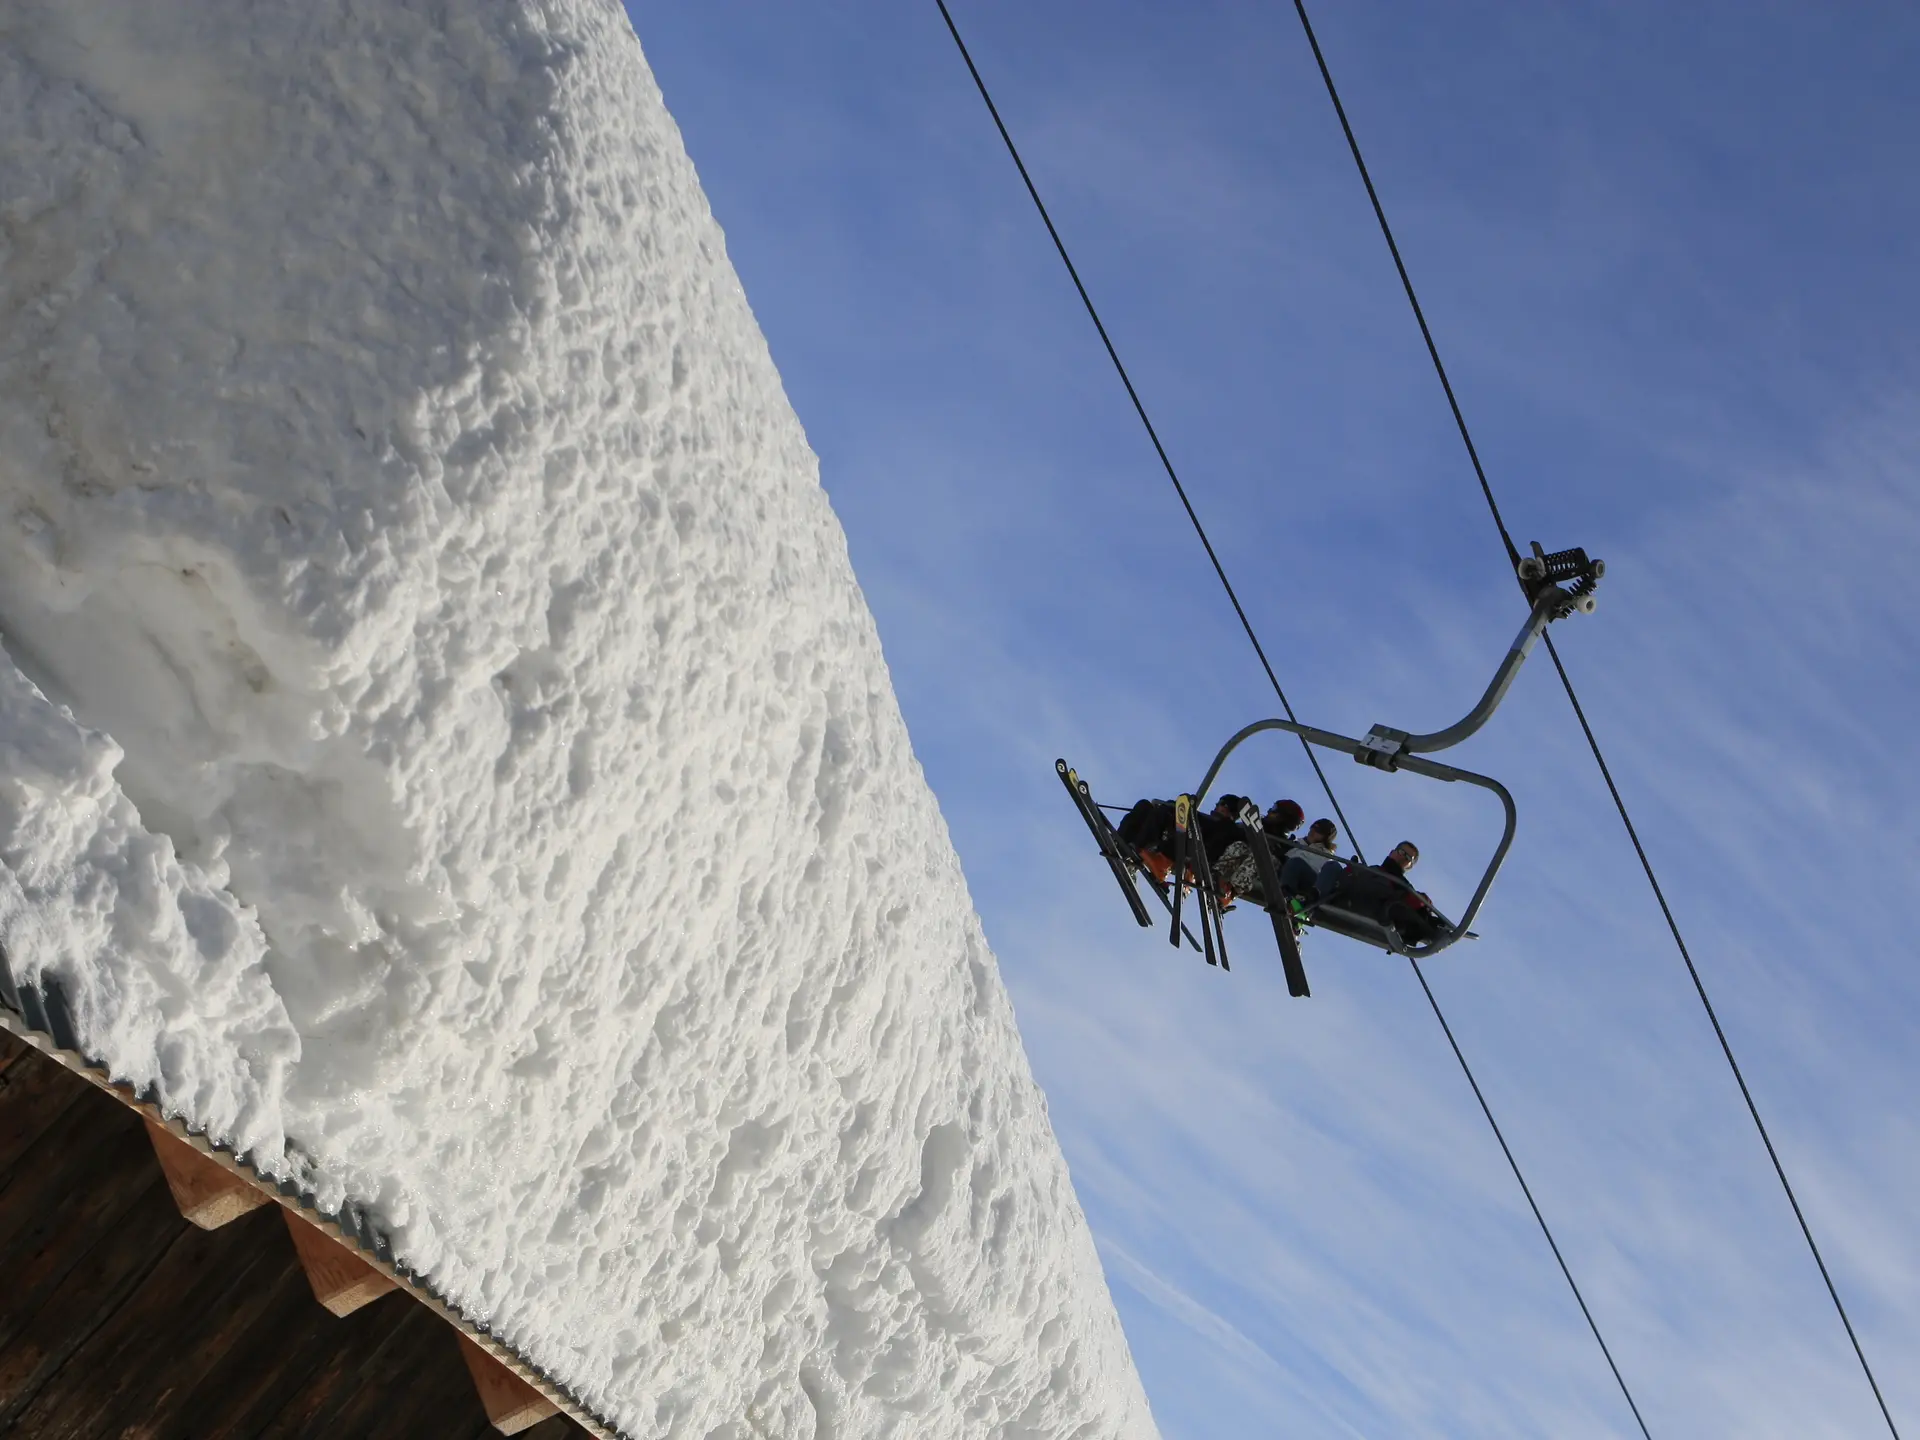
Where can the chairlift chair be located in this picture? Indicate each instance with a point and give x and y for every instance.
(1557, 585)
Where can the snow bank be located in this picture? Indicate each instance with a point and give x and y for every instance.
(444, 745)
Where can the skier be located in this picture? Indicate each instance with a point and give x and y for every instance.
(1283, 819)
(1237, 867)
(1312, 871)
(1382, 892)
(1148, 828)
(1220, 827)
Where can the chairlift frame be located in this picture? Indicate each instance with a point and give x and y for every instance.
(1557, 585)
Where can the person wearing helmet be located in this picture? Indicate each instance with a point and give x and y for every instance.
(1235, 866)
(1219, 830)
(1148, 828)
(1314, 867)
(1283, 819)
(1220, 826)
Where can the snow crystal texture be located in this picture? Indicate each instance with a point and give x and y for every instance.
(442, 744)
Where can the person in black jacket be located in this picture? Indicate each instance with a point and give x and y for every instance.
(1382, 892)
(1148, 827)
(1220, 827)
(1283, 819)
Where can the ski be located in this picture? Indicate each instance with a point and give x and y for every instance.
(1277, 910)
(1103, 837)
(1110, 840)
(1210, 928)
(1135, 865)
(1181, 806)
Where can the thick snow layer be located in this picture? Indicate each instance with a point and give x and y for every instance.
(443, 746)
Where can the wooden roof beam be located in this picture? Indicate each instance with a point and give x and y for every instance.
(208, 1194)
(511, 1404)
(341, 1280)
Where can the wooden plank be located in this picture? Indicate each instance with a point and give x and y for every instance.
(420, 1356)
(93, 1292)
(410, 1384)
(341, 1280)
(345, 1371)
(511, 1404)
(208, 1194)
(34, 1092)
(144, 1363)
(65, 1157)
(252, 1368)
(50, 1222)
(238, 1281)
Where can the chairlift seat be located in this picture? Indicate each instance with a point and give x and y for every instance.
(1343, 919)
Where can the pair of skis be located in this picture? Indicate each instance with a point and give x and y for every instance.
(1119, 855)
(1277, 908)
(1125, 863)
(1191, 850)
(1209, 892)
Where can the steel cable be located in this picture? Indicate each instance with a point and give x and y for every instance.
(1593, 743)
(1247, 625)
(1139, 409)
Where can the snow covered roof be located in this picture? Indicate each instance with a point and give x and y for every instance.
(444, 752)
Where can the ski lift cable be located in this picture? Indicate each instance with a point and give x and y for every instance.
(1532, 1204)
(1721, 1035)
(1593, 743)
(1140, 409)
(1220, 570)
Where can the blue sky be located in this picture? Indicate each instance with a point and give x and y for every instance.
(1667, 252)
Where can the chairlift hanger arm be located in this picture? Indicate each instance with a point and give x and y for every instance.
(1540, 575)
(1395, 745)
